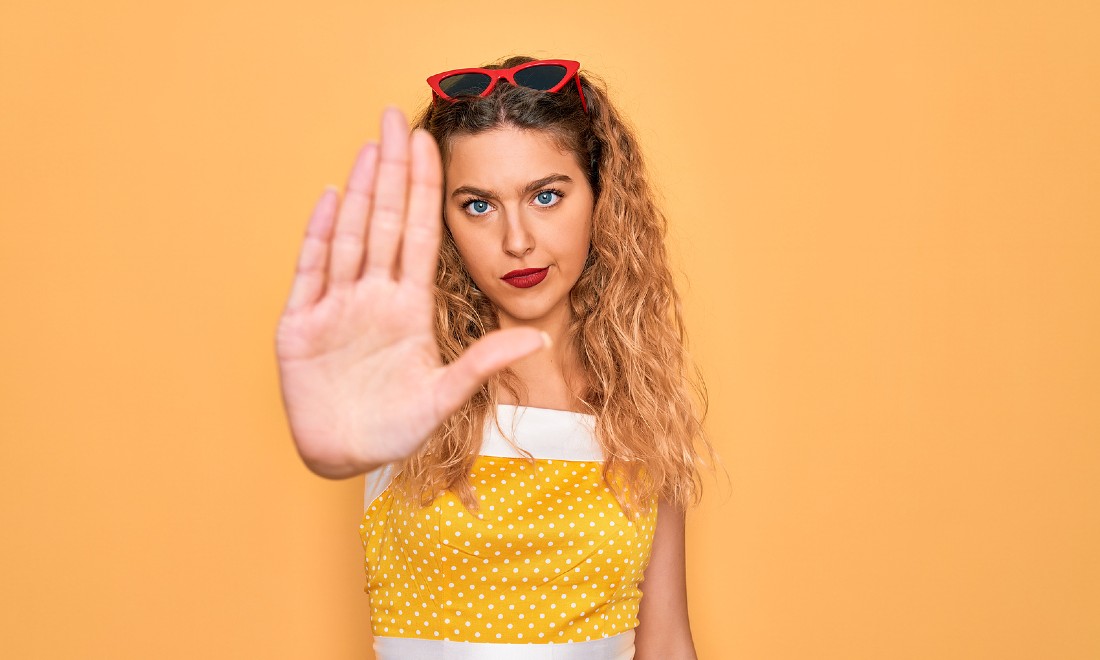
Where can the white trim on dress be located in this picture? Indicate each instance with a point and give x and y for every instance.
(614, 647)
(546, 433)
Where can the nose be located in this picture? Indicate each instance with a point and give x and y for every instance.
(518, 239)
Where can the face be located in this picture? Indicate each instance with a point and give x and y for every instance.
(514, 202)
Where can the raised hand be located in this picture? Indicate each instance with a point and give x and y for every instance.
(361, 374)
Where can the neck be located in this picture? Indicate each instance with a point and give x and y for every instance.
(553, 378)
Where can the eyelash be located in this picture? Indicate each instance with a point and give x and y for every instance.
(554, 191)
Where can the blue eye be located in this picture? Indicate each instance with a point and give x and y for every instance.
(480, 206)
(546, 197)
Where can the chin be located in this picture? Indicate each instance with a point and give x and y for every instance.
(527, 312)
(523, 314)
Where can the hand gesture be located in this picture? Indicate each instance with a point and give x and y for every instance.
(360, 370)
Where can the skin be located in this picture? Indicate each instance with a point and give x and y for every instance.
(504, 227)
(359, 367)
(360, 370)
(663, 631)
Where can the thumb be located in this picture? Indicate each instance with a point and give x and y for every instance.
(488, 355)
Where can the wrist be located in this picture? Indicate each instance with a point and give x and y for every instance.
(338, 465)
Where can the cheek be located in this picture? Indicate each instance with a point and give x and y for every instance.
(474, 260)
(584, 240)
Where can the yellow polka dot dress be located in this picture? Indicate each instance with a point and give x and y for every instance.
(548, 569)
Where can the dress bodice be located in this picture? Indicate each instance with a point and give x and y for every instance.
(549, 558)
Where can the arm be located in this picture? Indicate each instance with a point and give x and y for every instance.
(663, 630)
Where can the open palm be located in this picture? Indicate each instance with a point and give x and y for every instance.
(362, 380)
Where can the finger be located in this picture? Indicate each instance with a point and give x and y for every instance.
(309, 280)
(488, 355)
(423, 226)
(347, 243)
(387, 215)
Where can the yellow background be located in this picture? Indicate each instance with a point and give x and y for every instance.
(886, 220)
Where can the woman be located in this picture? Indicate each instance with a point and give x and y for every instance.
(513, 380)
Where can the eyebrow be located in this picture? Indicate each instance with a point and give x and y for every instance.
(530, 187)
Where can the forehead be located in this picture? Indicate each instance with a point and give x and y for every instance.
(505, 155)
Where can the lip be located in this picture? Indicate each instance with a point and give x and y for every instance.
(526, 277)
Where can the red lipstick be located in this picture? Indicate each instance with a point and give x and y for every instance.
(526, 277)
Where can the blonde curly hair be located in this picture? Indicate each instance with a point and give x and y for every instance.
(628, 326)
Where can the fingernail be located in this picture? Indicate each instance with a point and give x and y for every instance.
(332, 187)
(547, 342)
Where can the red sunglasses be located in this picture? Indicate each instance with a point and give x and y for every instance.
(543, 75)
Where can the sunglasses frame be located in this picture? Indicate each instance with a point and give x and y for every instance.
(495, 75)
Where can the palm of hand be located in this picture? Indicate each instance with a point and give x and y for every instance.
(360, 370)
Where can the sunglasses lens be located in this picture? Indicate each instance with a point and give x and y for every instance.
(465, 83)
(541, 77)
